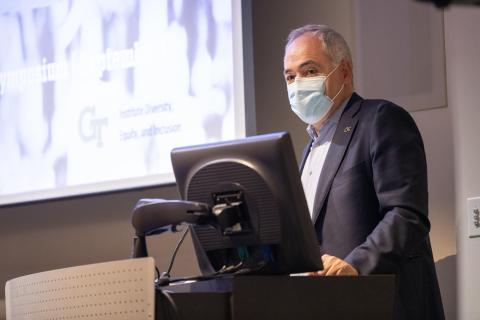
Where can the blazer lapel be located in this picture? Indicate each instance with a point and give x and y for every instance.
(305, 153)
(341, 139)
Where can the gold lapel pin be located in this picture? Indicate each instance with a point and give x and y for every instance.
(347, 129)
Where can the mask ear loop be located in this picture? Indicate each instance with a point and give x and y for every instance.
(343, 85)
(328, 75)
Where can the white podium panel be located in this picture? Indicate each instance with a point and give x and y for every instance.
(112, 290)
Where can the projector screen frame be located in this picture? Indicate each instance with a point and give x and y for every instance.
(245, 124)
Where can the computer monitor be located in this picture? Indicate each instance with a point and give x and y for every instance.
(254, 187)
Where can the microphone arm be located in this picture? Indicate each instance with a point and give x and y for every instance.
(154, 216)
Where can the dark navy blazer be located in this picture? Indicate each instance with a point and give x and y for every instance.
(371, 203)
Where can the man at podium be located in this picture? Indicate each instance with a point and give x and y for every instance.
(364, 174)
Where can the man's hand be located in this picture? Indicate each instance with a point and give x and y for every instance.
(333, 266)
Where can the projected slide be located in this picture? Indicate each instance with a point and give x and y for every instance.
(95, 93)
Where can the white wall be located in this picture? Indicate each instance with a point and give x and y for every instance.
(435, 126)
(462, 42)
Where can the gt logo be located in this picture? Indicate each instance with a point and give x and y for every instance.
(90, 127)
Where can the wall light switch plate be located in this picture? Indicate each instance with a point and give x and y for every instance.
(473, 207)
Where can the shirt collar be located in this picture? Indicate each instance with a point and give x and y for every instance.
(332, 121)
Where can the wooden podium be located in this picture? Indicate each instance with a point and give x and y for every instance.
(283, 297)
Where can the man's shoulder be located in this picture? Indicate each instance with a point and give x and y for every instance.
(380, 108)
(374, 105)
(384, 119)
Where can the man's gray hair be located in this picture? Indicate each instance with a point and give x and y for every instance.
(335, 45)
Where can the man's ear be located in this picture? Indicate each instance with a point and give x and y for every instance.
(347, 71)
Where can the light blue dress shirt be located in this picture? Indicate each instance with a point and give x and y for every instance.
(318, 152)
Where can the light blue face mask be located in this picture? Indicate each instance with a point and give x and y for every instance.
(307, 97)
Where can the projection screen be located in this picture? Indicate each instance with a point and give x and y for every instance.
(95, 93)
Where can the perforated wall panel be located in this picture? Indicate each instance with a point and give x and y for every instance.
(106, 291)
